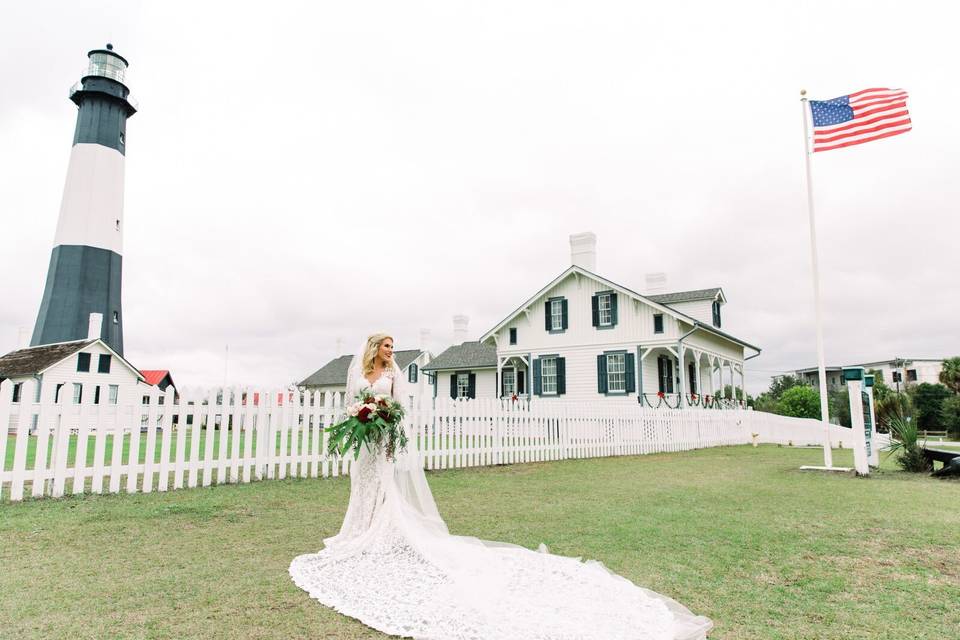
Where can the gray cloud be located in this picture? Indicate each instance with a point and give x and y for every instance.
(302, 173)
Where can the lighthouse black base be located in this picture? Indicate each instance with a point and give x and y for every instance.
(80, 281)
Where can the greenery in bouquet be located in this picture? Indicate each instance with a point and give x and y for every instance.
(372, 420)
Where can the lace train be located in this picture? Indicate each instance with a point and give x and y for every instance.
(395, 567)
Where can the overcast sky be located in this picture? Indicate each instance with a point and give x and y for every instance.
(300, 172)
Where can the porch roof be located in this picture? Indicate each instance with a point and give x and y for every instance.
(469, 355)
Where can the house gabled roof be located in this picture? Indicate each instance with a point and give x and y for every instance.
(647, 299)
(469, 355)
(335, 371)
(36, 360)
(153, 377)
(688, 296)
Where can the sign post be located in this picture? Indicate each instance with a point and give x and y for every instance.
(870, 420)
(854, 377)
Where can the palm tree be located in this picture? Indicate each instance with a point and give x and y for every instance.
(950, 374)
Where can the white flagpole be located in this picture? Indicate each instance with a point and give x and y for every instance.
(822, 369)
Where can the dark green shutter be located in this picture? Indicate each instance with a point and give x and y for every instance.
(613, 309)
(453, 386)
(595, 304)
(565, 321)
(537, 379)
(661, 384)
(692, 368)
(472, 386)
(546, 315)
(669, 367)
(631, 374)
(602, 373)
(561, 376)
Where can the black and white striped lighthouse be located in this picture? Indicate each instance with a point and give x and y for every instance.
(86, 264)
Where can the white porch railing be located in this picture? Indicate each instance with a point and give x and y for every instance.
(239, 435)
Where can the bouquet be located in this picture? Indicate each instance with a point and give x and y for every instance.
(372, 420)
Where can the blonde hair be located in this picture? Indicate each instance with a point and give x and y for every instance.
(370, 353)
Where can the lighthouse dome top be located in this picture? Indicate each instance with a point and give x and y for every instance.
(107, 63)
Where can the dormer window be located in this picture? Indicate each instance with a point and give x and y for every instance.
(513, 335)
(604, 309)
(83, 362)
(555, 315)
(658, 323)
(716, 313)
(606, 317)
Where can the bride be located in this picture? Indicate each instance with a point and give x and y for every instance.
(395, 567)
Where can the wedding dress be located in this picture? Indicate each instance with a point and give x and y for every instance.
(395, 567)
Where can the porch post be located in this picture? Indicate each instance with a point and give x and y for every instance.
(683, 383)
(640, 375)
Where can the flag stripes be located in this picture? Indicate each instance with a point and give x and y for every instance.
(863, 116)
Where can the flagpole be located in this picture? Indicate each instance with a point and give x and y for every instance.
(821, 366)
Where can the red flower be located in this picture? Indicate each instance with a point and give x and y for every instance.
(364, 414)
(660, 394)
(382, 402)
(383, 414)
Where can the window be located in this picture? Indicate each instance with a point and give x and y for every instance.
(17, 390)
(412, 373)
(116, 317)
(56, 393)
(513, 335)
(606, 317)
(145, 400)
(103, 365)
(665, 374)
(509, 382)
(911, 375)
(548, 374)
(114, 392)
(77, 392)
(96, 394)
(897, 376)
(83, 362)
(556, 315)
(463, 385)
(658, 323)
(692, 374)
(616, 373)
(716, 313)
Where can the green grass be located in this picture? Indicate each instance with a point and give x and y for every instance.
(738, 534)
(214, 436)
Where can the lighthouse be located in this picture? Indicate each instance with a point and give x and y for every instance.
(86, 263)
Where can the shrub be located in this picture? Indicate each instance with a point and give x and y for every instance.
(800, 402)
(950, 416)
(927, 400)
(905, 441)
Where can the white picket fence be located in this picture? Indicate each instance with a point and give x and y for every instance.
(240, 435)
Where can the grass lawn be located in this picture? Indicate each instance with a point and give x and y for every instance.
(737, 533)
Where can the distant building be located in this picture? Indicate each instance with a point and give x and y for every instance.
(159, 378)
(77, 372)
(469, 370)
(332, 376)
(896, 372)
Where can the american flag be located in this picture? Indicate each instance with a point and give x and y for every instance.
(860, 117)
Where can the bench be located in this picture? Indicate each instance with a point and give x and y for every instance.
(950, 460)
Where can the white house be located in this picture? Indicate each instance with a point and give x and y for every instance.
(333, 375)
(897, 372)
(76, 372)
(583, 337)
(466, 370)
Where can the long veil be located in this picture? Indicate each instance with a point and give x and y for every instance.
(408, 474)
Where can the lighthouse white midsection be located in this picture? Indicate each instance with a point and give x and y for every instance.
(91, 213)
